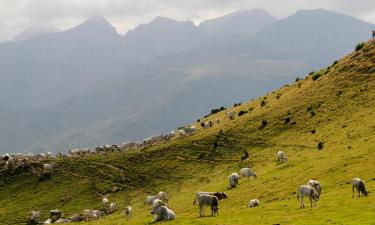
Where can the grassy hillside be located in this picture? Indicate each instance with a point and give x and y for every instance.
(333, 108)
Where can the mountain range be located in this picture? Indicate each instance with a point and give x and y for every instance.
(90, 85)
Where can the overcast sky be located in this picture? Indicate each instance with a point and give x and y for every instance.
(16, 15)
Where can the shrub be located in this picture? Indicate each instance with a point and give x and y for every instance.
(359, 46)
(287, 120)
(297, 79)
(312, 113)
(313, 131)
(240, 113)
(213, 111)
(264, 124)
(316, 76)
(198, 120)
(278, 95)
(311, 73)
(263, 103)
(335, 62)
(320, 145)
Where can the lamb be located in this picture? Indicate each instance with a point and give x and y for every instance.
(316, 185)
(233, 180)
(307, 190)
(208, 200)
(281, 157)
(253, 203)
(163, 196)
(128, 211)
(112, 207)
(360, 186)
(161, 213)
(150, 199)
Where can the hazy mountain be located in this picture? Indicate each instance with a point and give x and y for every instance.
(34, 31)
(243, 22)
(162, 36)
(317, 36)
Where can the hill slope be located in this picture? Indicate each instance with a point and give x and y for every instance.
(334, 107)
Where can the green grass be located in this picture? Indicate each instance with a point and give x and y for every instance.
(344, 122)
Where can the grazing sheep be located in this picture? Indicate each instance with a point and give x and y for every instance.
(281, 157)
(89, 214)
(219, 195)
(253, 203)
(208, 200)
(316, 185)
(231, 115)
(233, 180)
(247, 172)
(55, 214)
(162, 213)
(162, 196)
(112, 207)
(105, 201)
(217, 120)
(34, 217)
(128, 211)
(307, 190)
(360, 186)
(150, 199)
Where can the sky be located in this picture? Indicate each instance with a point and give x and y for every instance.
(17, 15)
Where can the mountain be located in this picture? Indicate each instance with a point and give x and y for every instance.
(162, 36)
(34, 31)
(319, 36)
(242, 22)
(89, 86)
(323, 122)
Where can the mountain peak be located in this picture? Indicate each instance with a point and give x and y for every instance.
(242, 22)
(95, 25)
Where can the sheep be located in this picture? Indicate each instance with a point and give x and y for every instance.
(112, 207)
(105, 201)
(208, 200)
(34, 217)
(231, 115)
(48, 221)
(307, 190)
(76, 218)
(161, 213)
(163, 196)
(253, 203)
(128, 211)
(247, 172)
(150, 199)
(360, 186)
(233, 180)
(316, 185)
(47, 167)
(219, 195)
(55, 214)
(281, 157)
(89, 214)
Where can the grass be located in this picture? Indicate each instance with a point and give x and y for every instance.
(345, 123)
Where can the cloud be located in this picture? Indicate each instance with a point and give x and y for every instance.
(125, 14)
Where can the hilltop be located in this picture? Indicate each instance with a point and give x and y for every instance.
(332, 108)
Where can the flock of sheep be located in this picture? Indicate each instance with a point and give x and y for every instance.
(158, 203)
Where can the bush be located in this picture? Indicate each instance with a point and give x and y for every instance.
(316, 76)
(198, 120)
(237, 104)
(213, 111)
(359, 46)
(264, 124)
(263, 103)
(335, 62)
(311, 73)
(297, 79)
(287, 120)
(313, 131)
(240, 113)
(320, 145)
